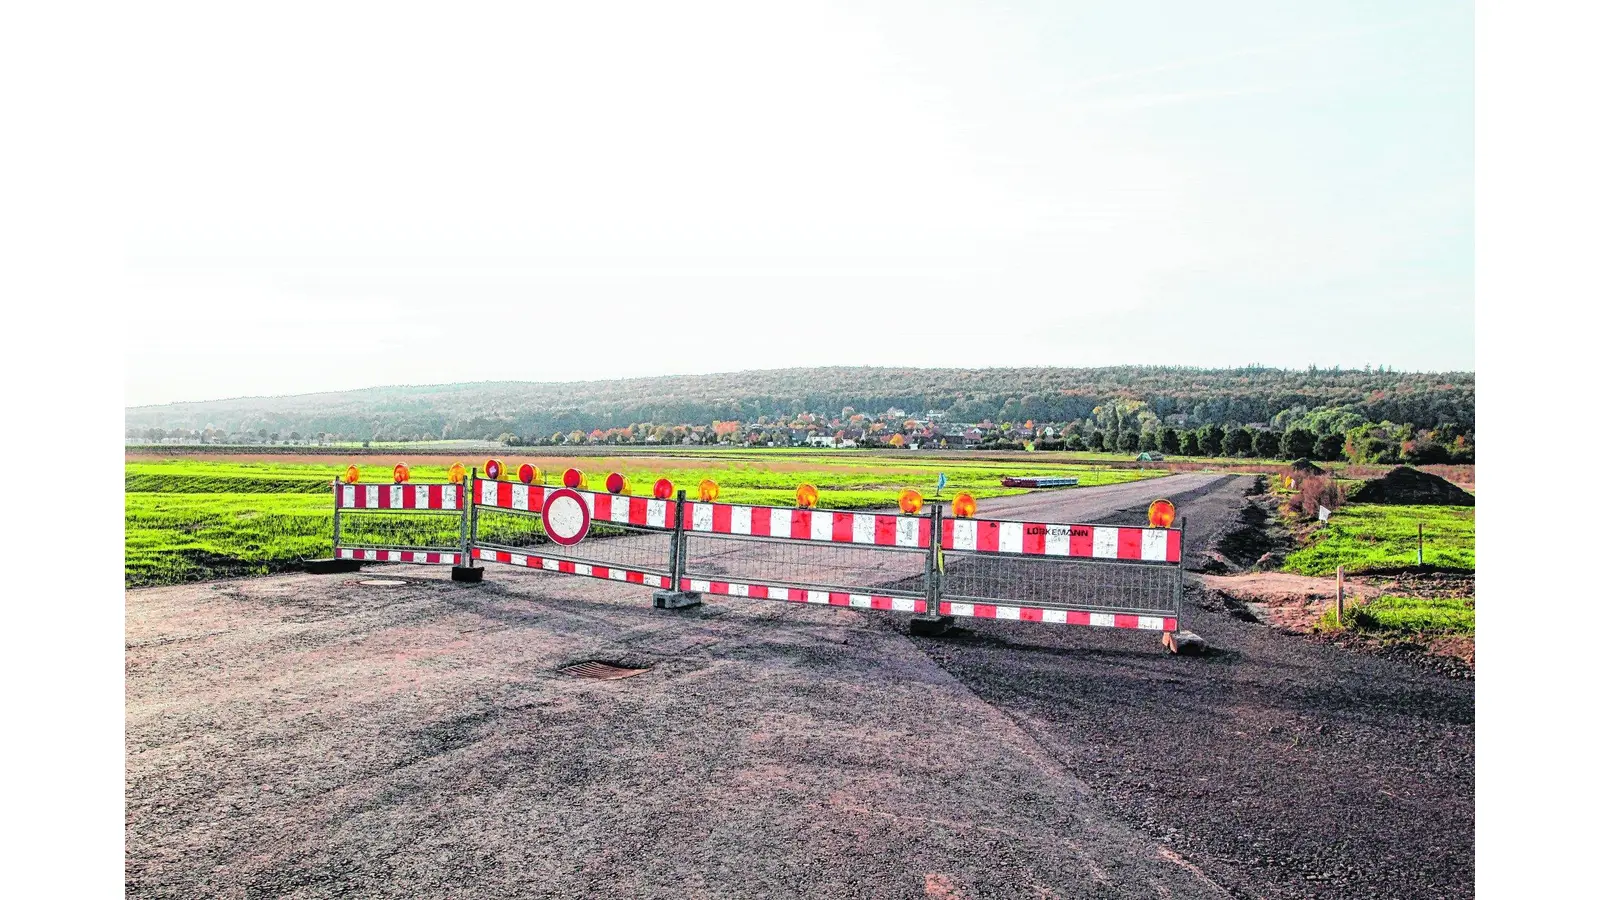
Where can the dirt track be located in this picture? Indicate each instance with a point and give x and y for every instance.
(307, 736)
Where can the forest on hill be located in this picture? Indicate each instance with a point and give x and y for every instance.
(1321, 400)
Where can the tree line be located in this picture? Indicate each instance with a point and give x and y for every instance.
(1270, 399)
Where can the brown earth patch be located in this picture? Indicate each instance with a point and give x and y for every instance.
(1296, 603)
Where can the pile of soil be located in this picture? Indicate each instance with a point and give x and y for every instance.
(1406, 486)
(1303, 466)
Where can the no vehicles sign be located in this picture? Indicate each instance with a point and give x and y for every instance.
(566, 517)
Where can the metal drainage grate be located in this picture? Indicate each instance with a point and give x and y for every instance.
(601, 671)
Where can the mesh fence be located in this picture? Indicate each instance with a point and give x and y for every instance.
(417, 530)
(1058, 582)
(807, 564)
(606, 544)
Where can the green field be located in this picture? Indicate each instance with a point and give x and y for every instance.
(1367, 537)
(191, 519)
(1409, 617)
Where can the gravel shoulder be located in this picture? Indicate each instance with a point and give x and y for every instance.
(296, 736)
(308, 736)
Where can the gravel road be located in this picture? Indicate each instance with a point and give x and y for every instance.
(311, 736)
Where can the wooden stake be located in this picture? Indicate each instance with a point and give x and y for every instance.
(1338, 609)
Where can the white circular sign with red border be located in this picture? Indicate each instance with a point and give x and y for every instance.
(566, 516)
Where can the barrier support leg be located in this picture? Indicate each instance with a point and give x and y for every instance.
(930, 623)
(675, 597)
(467, 573)
(332, 566)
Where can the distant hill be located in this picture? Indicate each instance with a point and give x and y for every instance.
(488, 409)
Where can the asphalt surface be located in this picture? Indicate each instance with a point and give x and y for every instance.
(1099, 504)
(310, 736)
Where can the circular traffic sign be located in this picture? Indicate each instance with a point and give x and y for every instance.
(566, 516)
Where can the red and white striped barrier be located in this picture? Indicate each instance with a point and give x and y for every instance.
(619, 509)
(876, 529)
(569, 567)
(1160, 547)
(374, 554)
(1046, 539)
(1058, 616)
(398, 496)
(804, 595)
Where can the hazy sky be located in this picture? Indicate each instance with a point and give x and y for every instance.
(326, 198)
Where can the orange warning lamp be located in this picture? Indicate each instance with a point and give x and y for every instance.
(352, 474)
(528, 474)
(1162, 512)
(964, 506)
(805, 496)
(458, 473)
(491, 470)
(615, 483)
(910, 502)
(708, 491)
(572, 478)
(663, 489)
(402, 473)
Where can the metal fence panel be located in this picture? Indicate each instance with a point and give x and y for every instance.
(417, 522)
(608, 545)
(1061, 583)
(844, 574)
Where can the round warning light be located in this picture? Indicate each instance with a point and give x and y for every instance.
(458, 473)
(352, 474)
(491, 469)
(910, 502)
(805, 496)
(1162, 514)
(709, 491)
(615, 483)
(964, 506)
(402, 473)
(663, 489)
(528, 474)
(572, 478)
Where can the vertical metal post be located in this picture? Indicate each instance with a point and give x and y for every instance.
(935, 538)
(472, 517)
(675, 550)
(1177, 589)
(336, 498)
(1419, 544)
(466, 512)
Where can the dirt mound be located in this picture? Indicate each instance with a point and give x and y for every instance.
(1407, 486)
(1303, 466)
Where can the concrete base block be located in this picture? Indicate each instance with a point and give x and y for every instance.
(676, 599)
(1183, 643)
(931, 626)
(332, 566)
(468, 574)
